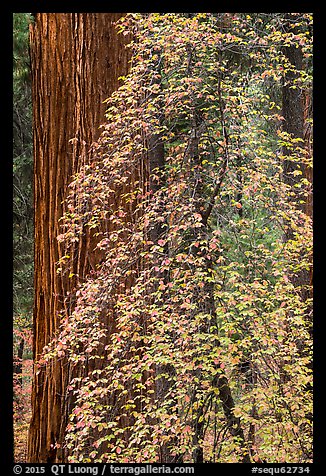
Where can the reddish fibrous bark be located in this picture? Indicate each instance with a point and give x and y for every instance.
(76, 61)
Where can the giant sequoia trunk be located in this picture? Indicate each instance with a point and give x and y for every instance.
(76, 62)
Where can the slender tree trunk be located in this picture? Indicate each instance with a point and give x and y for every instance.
(156, 163)
(220, 380)
(307, 137)
(296, 112)
(292, 105)
(76, 61)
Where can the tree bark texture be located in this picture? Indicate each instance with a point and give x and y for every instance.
(297, 110)
(76, 61)
(293, 107)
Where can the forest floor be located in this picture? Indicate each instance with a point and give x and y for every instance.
(21, 435)
(22, 412)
